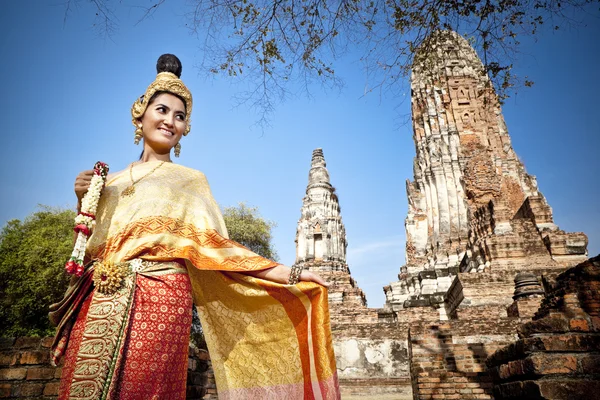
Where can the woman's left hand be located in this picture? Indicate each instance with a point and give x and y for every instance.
(281, 274)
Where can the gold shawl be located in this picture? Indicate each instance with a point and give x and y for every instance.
(266, 340)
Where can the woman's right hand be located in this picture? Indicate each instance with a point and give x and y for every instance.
(82, 184)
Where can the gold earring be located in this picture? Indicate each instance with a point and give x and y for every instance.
(138, 135)
(177, 149)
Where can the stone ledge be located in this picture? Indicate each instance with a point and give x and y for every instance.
(556, 389)
(548, 364)
(563, 343)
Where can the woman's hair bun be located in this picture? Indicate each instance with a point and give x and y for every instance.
(169, 63)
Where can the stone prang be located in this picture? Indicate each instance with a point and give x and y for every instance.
(472, 205)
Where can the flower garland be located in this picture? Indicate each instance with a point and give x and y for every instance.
(86, 219)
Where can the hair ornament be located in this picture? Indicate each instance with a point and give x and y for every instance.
(164, 82)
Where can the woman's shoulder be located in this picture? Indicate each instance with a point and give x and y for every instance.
(112, 175)
(188, 172)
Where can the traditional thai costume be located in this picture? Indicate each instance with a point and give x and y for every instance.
(170, 246)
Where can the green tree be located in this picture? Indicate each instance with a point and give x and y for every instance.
(32, 258)
(247, 227)
(33, 253)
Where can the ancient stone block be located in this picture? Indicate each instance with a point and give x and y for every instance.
(558, 350)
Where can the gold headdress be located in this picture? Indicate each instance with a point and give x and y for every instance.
(164, 82)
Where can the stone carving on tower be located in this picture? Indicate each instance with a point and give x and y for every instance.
(321, 236)
(472, 207)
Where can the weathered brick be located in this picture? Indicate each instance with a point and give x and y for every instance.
(579, 325)
(8, 358)
(47, 342)
(595, 323)
(589, 364)
(8, 374)
(544, 364)
(26, 389)
(6, 343)
(568, 389)
(26, 343)
(34, 357)
(51, 389)
(570, 342)
(58, 372)
(40, 373)
(5, 390)
(195, 392)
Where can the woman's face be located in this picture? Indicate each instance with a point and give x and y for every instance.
(163, 123)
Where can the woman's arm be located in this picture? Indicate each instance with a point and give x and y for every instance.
(82, 184)
(281, 274)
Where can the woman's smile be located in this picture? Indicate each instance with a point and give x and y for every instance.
(167, 132)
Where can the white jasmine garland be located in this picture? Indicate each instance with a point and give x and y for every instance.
(86, 218)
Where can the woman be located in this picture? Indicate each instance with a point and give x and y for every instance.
(160, 235)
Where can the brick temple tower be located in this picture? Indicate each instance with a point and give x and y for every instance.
(472, 205)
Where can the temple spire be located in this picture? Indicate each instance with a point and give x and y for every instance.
(321, 236)
(321, 241)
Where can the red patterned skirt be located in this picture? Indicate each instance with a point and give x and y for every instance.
(131, 348)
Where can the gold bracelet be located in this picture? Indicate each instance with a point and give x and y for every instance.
(295, 274)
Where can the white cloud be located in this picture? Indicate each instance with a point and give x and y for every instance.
(386, 243)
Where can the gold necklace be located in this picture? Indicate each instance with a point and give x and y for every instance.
(130, 190)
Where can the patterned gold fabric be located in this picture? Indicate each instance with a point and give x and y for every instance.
(266, 340)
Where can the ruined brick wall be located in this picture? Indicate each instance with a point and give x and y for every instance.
(557, 355)
(447, 360)
(372, 359)
(25, 370)
(26, 373)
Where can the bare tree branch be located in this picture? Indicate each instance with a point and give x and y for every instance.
(277, 43)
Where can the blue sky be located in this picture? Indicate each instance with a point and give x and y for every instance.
(67, 95)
